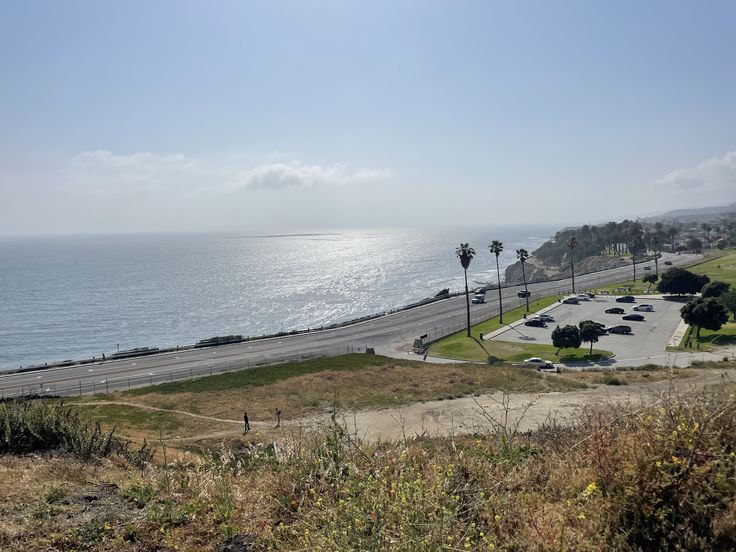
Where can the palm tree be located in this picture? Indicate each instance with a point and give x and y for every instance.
(523, 255)
(496, 247)
(634, 247)
(466, 253)
(572, 243)
(656, 247)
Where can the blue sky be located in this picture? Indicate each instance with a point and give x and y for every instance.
(166, 116)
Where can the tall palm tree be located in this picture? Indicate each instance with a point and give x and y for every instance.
(572, 243)
(634, 247)
(657, 248)
(466, 253)
(523, 255)
(496, 247)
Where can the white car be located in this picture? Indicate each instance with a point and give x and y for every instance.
(582, 297)
(540, 362)
(645, 307)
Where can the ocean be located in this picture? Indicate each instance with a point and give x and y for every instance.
(71, 297)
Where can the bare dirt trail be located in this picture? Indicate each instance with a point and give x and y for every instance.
(470, 414)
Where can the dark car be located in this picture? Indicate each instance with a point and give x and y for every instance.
(523, 294)
(626, 299)
(536, 323)
(619, 329)
(668, 263)
(634, 316)
(614, 310)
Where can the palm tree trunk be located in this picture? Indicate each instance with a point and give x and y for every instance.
(591, 348)
(526, 291)
(656, 265)
(633, 263)
(467, 300)
(500, 304)
(572, 269)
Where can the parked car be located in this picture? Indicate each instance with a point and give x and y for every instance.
(536, 361)
(668, 263)
(582, 297)
(545, 317)
(571, 301)
(524, 294)
(626, 299)
(634, 316)
(619, 329)
(644, 307)
(535, 322)
(615, 310)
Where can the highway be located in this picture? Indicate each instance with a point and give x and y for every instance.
(387, 334)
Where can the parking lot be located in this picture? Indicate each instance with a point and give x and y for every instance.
(647, 340)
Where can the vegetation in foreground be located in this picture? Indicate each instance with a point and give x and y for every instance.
(657, 477)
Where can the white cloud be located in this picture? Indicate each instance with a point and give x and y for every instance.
(714, 176)
(103, 173)
(278, 176)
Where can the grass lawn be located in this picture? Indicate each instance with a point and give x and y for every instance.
(465, 348)
(130, 416)
(513, 315)
(722, 269)
(710, 339)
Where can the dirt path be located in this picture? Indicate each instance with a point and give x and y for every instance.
(471, 414)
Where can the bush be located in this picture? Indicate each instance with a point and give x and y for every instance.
(38, 426)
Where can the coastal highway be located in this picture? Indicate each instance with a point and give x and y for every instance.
(389, 334)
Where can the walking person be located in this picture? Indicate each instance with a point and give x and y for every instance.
(278, 417)
(246, 424)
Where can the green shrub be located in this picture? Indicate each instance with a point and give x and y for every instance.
(38, 426)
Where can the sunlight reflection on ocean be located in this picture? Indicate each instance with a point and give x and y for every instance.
(73, 297)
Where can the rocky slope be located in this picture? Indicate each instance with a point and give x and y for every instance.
(536, 271)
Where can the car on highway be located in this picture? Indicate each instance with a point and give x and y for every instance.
(644, 307)
(536, 361)
(615, 310)
(479, 297)
(535, 322)
(626, 299)
(634, 316)
(619, 329)
(668, 263)
(571, 301)
(647, 268)
(524, 294)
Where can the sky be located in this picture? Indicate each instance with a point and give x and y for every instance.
(274, 116)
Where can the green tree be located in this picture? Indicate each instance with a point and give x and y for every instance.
(572, 243)
(694, 245)
(704, 313)
(679, 281)
(496, 247)
(590, 332)
(523, 255)
(715, 289)
(566, 337)
(728, 300)
(650, 279)
(722, 243)
(466, 253)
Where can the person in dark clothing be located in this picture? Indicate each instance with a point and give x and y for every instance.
(246, 424)
(278, 417)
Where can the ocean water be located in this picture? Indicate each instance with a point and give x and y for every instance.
(75, 297)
